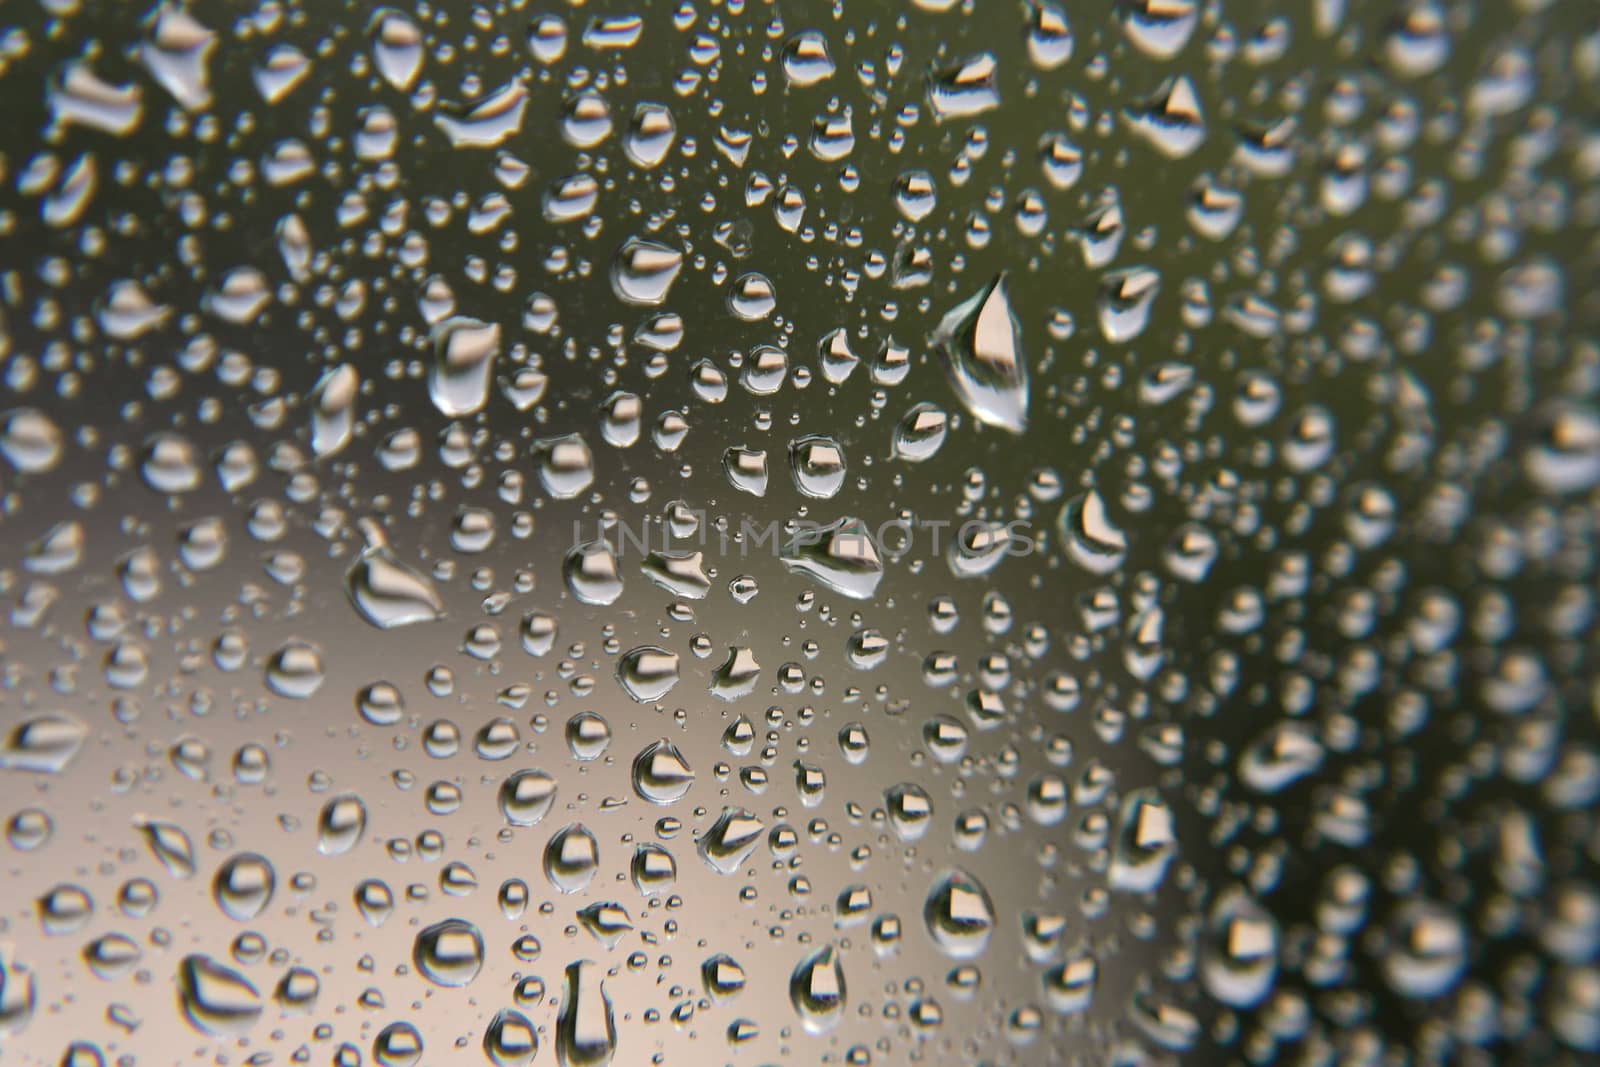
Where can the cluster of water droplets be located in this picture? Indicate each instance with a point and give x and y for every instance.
(564, 532)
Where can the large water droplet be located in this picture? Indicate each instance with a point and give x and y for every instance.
(341, 825)
(572, 858)
(216, 999)
(386, 592)
(841, 556)
(661, 775)
(981, 342)
(243, 886)
(644, 271)
(730, 840)
(449, 953)
(647, 673)
(464, 353)
(1240, 958)
(817, 990)
(959, 914)
(1145, 845)
(510, 1039)
(586, 1030)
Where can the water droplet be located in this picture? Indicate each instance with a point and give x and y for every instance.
(30, 440)
(217, 1000)
(806, 60)
(920, 433)
(386, 592)
(178, 54)
(449, 953)
(1145, 845)
(653, 869)
(572, 858)
(981, 343)
(959, 914)
(964, 89)
(644, 272)
(1091, 540)
(1426, 950)
(332, 402)
(1240, 958)
(588, 736)
(397, 1045)
(586, 1030)
(341, 825)
(1170, 121)
(607, 922)
(510, 1039)
(817, 990)
(170, 845)
(593, 574)
(842, 556)
(661, 775)
(243, 886)
(397, 48)
(1160, 28)
(464, 355)
(910, 810)
(1124, 303)
(818, 464)
(42, 744)
(730, 840)
(648, 673)
(295, 671)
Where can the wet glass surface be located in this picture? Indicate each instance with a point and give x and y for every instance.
(755, 533)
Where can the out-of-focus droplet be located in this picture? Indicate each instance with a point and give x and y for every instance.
(332, 403)
(341, 825)
(244, 885)
(216, 999)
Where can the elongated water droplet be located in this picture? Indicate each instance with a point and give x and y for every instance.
(586, 1030)
(817, 990)
(842, 556)
(170, 845)
(333, 401)
(341, 825)
(571, 858)
(386, 592)
(42, 744)
(981, 342)
(1145, 845)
